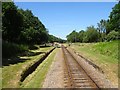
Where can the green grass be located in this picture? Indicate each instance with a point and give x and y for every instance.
(35, 80)
(109, 49)
(0, 78)
(103, 54)
(12, 49)
(106, 50)
(12, 73)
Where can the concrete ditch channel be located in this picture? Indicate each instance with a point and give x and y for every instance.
(32, 68)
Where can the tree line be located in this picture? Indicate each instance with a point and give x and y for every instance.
(21, 26)
(106, 30)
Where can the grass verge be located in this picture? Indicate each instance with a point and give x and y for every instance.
(35, 80)
(12, 73)
(0, 78)
(103, 54)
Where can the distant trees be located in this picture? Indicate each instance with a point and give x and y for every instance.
(52, 39)
(90, 35)
(102, 29)
(81, 35)
(73, 36)
(106, 29)
(21, 26)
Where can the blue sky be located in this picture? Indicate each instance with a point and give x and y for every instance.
(61, 18)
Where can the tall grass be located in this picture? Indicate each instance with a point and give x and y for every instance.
(107, 48)
(12, 49)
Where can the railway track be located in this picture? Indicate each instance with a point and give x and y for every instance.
(74, 75)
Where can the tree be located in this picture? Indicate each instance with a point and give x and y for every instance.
(81, 35)
(102, 29)
(91, 35)
(34, 30)
(114, 21)
(12, 22)
(55, 39)
(73, 36)
(102, 26)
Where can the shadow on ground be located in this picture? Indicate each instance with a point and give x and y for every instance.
(17, 59)
(31, 53)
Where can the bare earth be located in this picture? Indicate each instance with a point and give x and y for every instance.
(54, 78)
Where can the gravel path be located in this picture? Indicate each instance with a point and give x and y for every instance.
(54, 78)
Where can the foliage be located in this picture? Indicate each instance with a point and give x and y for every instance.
(22, 27)
(90, 35)
(102, 26)
(12, 22)
(102, 29)
(113, 35)
(55, 39)
(12, 49)
(114, 21)
(81, 35)
(73, 36)
(34, 31)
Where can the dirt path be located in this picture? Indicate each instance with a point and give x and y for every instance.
(54, 78)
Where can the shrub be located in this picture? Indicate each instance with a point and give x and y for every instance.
(12, 49)
(113, 35)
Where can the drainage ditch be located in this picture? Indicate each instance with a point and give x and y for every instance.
(34, 66)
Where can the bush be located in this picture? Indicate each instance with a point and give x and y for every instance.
(33, 47)
(113, 35)
(91, 35)
(12, 49)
